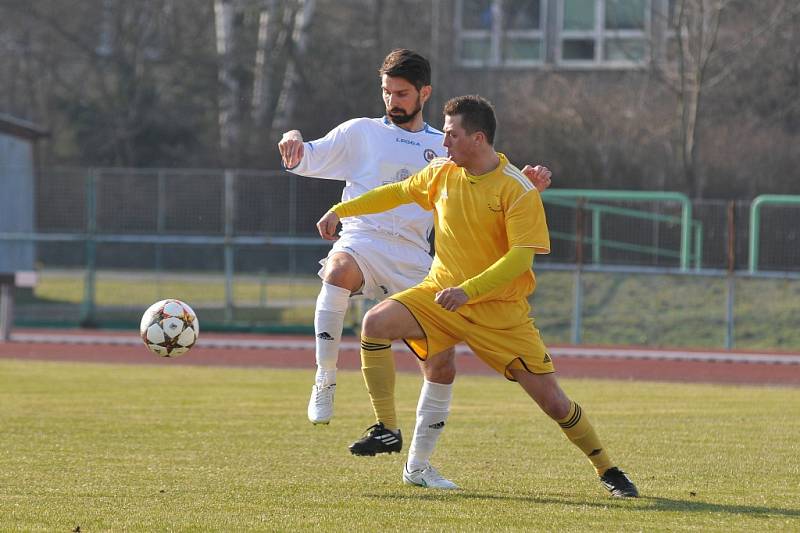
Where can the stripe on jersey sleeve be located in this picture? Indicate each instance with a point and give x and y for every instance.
(519, 176)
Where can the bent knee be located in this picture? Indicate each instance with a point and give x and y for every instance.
(390, 320)
(441, 367)
(441, 374)
(344, 279)
(343, 272)
(375, 324)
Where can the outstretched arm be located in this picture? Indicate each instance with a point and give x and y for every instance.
(377, 200)
(332, 157)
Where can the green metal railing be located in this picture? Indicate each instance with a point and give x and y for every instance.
(93, 240)
(569, 197)
(755, 221)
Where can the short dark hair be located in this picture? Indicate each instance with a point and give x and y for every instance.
(477, 114)
(409, 65)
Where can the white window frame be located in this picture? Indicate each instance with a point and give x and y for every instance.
(496, 34)
(599, 34)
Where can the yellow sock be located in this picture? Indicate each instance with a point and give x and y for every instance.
(579, 431)
(377, 365)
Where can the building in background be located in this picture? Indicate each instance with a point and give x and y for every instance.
(18, 165)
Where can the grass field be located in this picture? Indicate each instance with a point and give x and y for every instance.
(146, 448)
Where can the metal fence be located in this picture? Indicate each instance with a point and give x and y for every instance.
(241, 246)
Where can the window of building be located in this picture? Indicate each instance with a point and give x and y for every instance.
(582, 33)
(500, 32)
(603, 32)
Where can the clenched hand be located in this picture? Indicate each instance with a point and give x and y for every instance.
(327, 226)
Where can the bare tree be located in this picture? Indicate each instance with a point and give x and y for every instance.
(698, 62)
(264, 66)
(275, 26)
(96, 75)
(225, 12)
(288, 95)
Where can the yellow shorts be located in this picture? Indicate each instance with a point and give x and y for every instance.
(500, 333)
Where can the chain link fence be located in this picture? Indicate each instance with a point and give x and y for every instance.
(242, 248)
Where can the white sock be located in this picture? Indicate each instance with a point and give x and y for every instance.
(329, 314)
(432, 411)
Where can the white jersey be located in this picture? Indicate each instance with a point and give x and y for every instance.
(367, 153)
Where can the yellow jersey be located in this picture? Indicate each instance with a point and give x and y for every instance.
(477, 220)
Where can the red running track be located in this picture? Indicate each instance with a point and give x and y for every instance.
(770, 368)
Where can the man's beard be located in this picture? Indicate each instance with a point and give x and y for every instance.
(398, 116)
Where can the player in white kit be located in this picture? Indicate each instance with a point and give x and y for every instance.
(381, 254)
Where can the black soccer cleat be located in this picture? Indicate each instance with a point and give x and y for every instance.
(618, 483)
(377, 439)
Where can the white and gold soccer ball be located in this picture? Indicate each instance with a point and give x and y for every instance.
(169, 328)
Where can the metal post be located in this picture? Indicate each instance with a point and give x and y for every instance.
(730, 278)
(161, 216)
(698, 245)
(577, 304)
(262, 292)
(596, 233)
(228, 246)
(88, 306)
(730, 300)
(686, 233)
(6, 310)
(755, 227)
(293, 225)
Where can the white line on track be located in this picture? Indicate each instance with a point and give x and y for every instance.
(297, 344)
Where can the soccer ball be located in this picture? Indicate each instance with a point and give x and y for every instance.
(169, 328)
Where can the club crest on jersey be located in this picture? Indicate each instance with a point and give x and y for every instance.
(429, 155)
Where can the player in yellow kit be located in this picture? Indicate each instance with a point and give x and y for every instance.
(489, 223)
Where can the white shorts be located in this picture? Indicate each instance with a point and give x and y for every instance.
(389, 264)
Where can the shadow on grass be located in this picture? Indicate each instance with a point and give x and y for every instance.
(644, 503)
(667, 504)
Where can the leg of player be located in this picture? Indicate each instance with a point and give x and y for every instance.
(432, 412)
(383, 323)
(547, 393)
(341, 277)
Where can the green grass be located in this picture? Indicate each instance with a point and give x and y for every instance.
(118, 290)
(155, 448)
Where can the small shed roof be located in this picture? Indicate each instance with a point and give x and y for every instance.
(21, 128)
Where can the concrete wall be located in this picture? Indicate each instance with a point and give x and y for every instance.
(16, 201)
